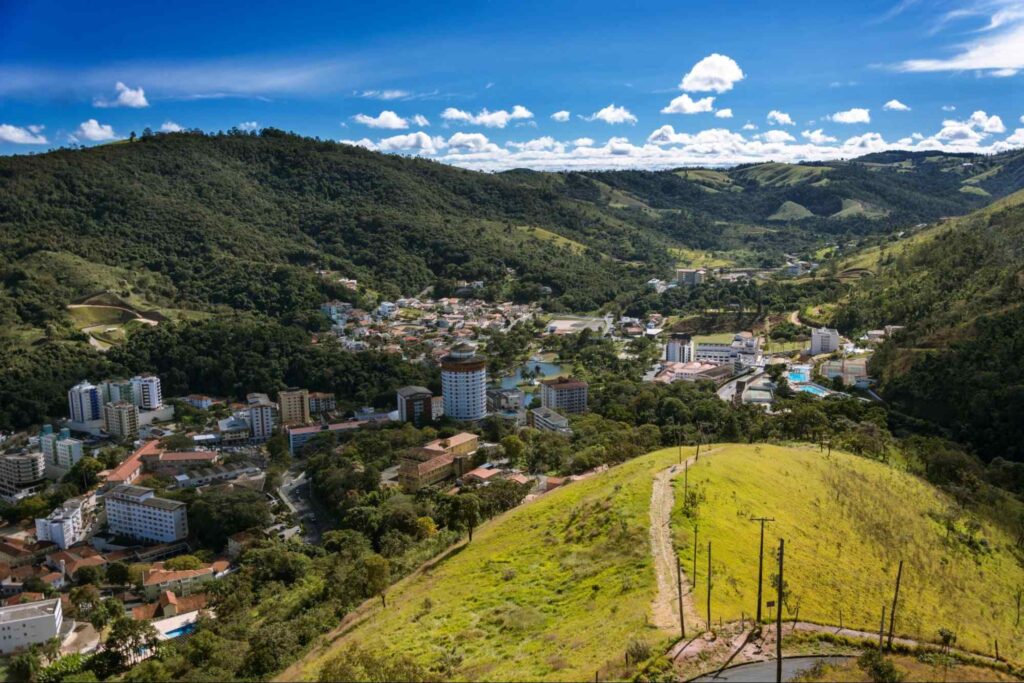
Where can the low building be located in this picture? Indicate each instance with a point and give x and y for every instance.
(853, 371)
(298, 436)
(568, 395)
(130, 469)
(437, 461)
(321, 402)
(136, 512)
(33, 623)
(211, 475)
(824, 340)
(180, 581)
(482, 475)
(690, 277)
(692, 372)
(199, 401)
(502, 400)
(234, 430)
(547, 420)
(67, 524)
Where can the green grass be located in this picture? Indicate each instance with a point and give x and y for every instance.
(790, 211)
(710, 180)
(855, 207)
(717, 338)
(698, 258)
(87, 316)
(775, 174)
(848, 521)
(972, 189)
(548, 236)
(553, 590)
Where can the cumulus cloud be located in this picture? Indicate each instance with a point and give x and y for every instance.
(949, 107)
(749, 126)
(126, 97)
(612, 115)
(715, 73)
(488, 119)
(684, 105)
(94, 131)
(418, 143)
(29, 135)
(780, 118)
(724, 113)
(560, 116)
(540, 144)
(776, 136)
(855, 115)
(895, 105)
(170, 127)
(471, 143)
(817, 137)
(248, 125)
(420, 120)
(386, 119)
(986, 123)
(583, 142)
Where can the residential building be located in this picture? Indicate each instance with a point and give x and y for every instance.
(692, 372)
(293, 405)
(321, 402)
(744, 351)
(136, 512)
(824, 340)
(131, 467)
(690, 277)
(568, 395)
(547, 420)
(262, 416)
(200, 401)
(21, 475)
(464, 383)
(114, 390)
(415, 404)
(84, 403)
(437, 461)
(502, 400)
(298, 436)
(181, 581)
(234, 429)
(59, 449)
(680, 349)
(121, 419)
(146, 392)
(67, 524)
(387, 309)
(33, 623)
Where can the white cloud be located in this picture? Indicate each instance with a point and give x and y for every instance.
(1021, 119)
(170, 127)
(855, 115)
(780, 118)
(817, 137)
(540, 144)
(612, 115)
(488, 119)
(126, 97)
(248, 125)
(1015, 140)
(864, 144)
(996, 52)
(364, 142)
(684, 105)
(471, 143)
(418, 143)
(583, 142)
(715, 72)
(560, 116)
(30, 135)
(895, 105)
(724, 113)
(386, 119)
(986, 123)
(949, 107)
(420, 120)
(383, 94)
(749, 126)
(94, 131)
(776, 136)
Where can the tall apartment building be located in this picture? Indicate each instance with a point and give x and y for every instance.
(68, 524)
(58, 448)
(567, 395)
(28, 624)
(464, 383)
(680, 349)
(824, 340)
(293, 405)
(321, 402)
(21, 475)
(121, 419)
(262, 414)
(146, 392)
(84, 403)
(415, 404)
(136, 512)
(690, 277)
(116, 390)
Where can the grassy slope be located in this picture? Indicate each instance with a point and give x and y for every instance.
(790, 211)
(847, 522)
(581, 590)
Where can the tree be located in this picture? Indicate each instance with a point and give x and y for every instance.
(25, 667)
(88, 574)
(469, 511)
(514, 447)
(118, 574)
(183, 562)
(85, 599)
(358, 664)
(128, 638)
(378, 576)
(219, 513)
(151, 670)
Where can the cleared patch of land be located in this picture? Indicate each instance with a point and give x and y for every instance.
(848, 521)
(855, 207)
(775, 174)
(548, 236)
(553, 590)
(790, 211)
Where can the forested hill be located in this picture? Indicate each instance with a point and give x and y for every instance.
(960, 361)
(193, 221)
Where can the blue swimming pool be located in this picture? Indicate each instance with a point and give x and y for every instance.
(181, 631)
(813, 389)
(798, 376)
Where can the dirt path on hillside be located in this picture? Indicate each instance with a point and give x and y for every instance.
(665, 607)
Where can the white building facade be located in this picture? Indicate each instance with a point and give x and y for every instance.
(33, 623)
(824, 340)
(146, 392)
(68, 524)
(679, 349)
(136, 512)
(464, 383)
(84, 403)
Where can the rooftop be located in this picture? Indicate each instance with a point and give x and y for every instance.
(28, 611)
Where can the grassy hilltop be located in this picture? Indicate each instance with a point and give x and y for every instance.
(848, 521)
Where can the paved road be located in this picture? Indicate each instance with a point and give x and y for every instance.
(294, 491)
(756, 672)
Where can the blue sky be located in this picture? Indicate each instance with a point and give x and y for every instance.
(477, 84)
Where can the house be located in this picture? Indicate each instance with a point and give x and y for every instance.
(169, 605)
(482, 475)
(437, 461)
(129, 470)
(182, 581)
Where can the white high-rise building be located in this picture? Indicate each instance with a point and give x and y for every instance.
(28, 624)
(59, 448)
(136, 512)
(262, 414)
(146, 392)
(21, 475)
(679, 349)
(84, 403)
(824, 340)
(464, 383)
(67, 524)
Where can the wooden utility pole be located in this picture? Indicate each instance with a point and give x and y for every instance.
(686, 503)
(760, 564)
(709, 585)
(1017, 622)
(778, 616)
(679, 591)
(881, 630)
(693, 579)
(895, 597)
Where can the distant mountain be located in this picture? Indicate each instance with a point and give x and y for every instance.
(959, 291)
(188, 221)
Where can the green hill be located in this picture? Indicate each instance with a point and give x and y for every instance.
(790, 211)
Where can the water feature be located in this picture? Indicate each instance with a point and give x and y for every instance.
(543, 370)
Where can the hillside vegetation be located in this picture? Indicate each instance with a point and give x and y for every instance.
(847, 522)
(554, 590)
